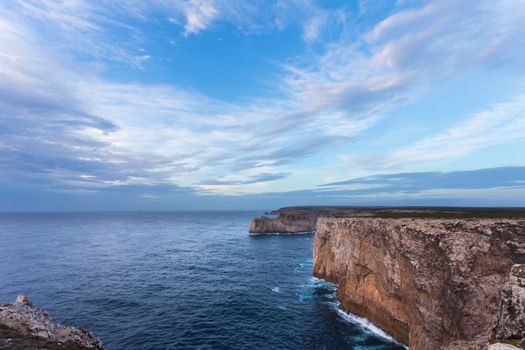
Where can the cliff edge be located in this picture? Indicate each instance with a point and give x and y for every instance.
(431, 283)
(303, 219)
(24, 326)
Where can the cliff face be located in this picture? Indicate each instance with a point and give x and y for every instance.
(24, 326)
(428, 282)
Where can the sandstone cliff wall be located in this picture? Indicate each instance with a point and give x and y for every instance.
(428, 282)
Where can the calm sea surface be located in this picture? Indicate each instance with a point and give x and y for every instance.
(175, 280)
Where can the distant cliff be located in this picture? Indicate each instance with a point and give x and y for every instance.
(431, 283)
(303, 219)
(288, 221)
(24, 326)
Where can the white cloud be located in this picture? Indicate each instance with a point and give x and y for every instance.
(313, 27)
(409, 49)
(398, 59)
(200, 14)
(504, 123)
(95, 133)
(464, 195)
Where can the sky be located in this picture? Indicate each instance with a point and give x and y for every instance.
(216, 104)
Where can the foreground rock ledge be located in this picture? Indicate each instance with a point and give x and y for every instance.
(431, 283)
(24, 326)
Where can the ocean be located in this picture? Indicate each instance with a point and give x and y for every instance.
(176, 280)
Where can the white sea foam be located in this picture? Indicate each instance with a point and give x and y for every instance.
(367, 326)
(296, 233)
(276, 290)
(279, 233)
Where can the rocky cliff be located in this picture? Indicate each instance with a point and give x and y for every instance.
(24, 326)
(303, 219)
(431, 283)
(284, 223)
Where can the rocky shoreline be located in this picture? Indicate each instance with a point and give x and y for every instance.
(25, 326)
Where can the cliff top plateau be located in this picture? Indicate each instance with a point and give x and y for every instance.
(404, 212)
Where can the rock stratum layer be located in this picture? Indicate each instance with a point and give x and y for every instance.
(431, 283)
(24, 326)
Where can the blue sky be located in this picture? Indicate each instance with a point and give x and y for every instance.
(207, 104)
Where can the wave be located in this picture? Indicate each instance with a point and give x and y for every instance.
(327, 292)
(367, 326)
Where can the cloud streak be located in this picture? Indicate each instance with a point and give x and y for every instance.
(491, 187)
(501, 124)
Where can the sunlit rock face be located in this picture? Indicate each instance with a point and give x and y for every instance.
(431, 283)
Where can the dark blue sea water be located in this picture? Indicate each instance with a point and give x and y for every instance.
(175, 280)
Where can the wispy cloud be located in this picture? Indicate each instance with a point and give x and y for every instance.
(65, 124)
(236, 180)
(418, 181)
(503, 123)
(404, 53)
(96, 31)
(198, 15)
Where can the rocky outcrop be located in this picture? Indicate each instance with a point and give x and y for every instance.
(282, 224)
(24, 326)
(431, 283)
